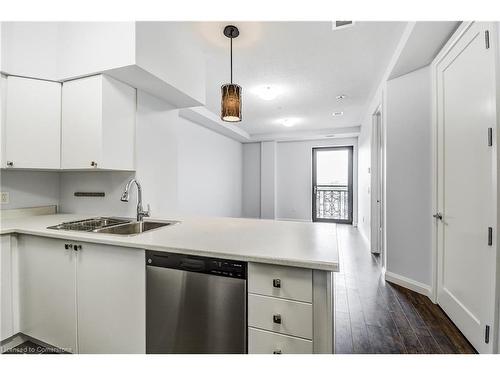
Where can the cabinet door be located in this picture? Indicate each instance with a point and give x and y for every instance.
(82, 123)
(47, 291)
(111, 299)
(33, 124)
(6, 300)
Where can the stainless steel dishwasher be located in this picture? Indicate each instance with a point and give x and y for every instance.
(195, 304)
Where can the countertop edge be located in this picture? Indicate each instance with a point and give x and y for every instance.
(321, 266)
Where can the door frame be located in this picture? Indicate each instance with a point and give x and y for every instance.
(377, 196)
(350, 184)
(436, 156)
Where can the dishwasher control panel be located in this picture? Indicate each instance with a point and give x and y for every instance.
(191, 263)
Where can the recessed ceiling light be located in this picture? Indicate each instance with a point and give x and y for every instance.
(267, 92)
(335, 114)
(288, 122)
(341, 97)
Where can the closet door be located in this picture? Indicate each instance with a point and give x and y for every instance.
(466, 174)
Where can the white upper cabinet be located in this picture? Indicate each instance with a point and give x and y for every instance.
(32, 128)
(98, 124)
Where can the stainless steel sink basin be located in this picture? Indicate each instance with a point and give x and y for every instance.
(135, 227)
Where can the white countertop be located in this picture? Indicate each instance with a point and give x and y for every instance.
(298, 244)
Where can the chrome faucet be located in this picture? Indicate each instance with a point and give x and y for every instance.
(141, 214)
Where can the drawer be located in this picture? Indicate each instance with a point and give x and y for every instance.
(265, 342)
(280, 315)
(280, 281)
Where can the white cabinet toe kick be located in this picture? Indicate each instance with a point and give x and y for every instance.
(91, 298)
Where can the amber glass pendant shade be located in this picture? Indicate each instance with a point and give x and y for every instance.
(231, 102)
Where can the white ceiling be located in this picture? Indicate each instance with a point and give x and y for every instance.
(308, 62)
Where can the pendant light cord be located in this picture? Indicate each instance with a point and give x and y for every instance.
(231, 48)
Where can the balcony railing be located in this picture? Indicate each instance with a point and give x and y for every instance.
(332, 202)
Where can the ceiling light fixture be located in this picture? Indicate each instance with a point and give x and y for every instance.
(288, 122)
(231, 92)
(267, 92)
(335, 114)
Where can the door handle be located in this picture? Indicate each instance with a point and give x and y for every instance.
(438, 215)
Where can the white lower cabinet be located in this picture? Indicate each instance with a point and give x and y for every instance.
(265, 342)
(281, 310)
(111, 299)
(6, 291)
(47, 291)
(82, 297)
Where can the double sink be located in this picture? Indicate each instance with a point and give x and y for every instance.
(112, 225)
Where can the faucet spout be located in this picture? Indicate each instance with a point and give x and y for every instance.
(141, 213)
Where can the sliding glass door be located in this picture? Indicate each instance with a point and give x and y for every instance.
(332, 184)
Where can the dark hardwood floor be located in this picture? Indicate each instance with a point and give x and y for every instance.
(375, 316)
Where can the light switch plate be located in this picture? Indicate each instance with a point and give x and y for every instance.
(5, 197)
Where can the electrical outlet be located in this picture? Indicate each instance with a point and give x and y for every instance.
(5, 197)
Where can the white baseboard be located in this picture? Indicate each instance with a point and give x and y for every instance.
(408, 283)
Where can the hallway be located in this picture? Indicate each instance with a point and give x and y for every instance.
(374, 316)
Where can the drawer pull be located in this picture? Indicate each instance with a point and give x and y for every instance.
(277, 351)
(277, 318)
(277, 283)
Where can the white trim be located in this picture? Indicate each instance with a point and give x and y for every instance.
(407, 283)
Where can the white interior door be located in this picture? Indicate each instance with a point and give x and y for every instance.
(466, 185)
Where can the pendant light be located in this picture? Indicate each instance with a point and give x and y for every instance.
(231, 92)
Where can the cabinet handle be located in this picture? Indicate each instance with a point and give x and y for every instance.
(277, 351)
(277, 283)
(10, 164)
(277, 318)
(93, 164)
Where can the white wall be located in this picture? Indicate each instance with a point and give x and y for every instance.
(164, 58)
(294, 177)
(30, 49)
(209, 172)
(88, 47)
(408, 176)
(171, 51)
(277, 179)
(29, 188)
(183, 168)
(268, 180)
(251, 180)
